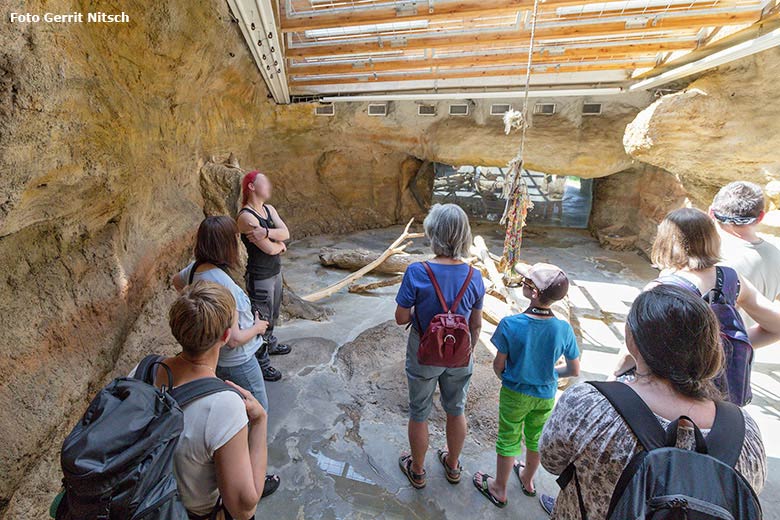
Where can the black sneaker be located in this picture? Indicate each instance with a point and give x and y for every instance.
(271, 374)
(548, 503)
(279, 349)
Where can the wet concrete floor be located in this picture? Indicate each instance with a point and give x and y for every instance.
(337, 451)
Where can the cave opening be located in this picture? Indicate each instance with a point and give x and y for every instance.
(558, 200)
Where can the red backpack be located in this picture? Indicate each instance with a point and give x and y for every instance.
(447, 340)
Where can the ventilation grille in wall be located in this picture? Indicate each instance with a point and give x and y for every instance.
(325, 110)
(544, 109)
(459, 110)
(426, 110)
(499, 109)
(591, 109)
(377, 109)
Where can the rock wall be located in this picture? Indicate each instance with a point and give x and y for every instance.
(104, 130)
(628, 206)
(112, 144)
(566, 143)
(722, 127)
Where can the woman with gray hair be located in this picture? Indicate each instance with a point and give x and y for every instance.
(419, 299)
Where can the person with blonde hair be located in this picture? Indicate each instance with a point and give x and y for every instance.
(428, 289)
(687, 251)
(222, 452)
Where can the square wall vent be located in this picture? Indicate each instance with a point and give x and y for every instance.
(499, 109)
(544, 109)
(459, 110)
(426, 110)
(377, 109)
(591, 109)
(325, 110)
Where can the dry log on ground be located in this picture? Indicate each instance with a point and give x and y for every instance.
(395, 248)
(490, 317)
(365, 287)
(480, 250)
(354, 259)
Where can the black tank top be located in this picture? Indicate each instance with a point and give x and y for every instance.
(260, 264)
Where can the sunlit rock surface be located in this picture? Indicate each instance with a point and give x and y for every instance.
(724, 126)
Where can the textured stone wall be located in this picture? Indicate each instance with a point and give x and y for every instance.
(724, 126)
(106, 132)
(628, 206)
(566, 143)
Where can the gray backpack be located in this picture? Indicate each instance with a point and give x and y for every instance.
(663, 482)
(118, 460)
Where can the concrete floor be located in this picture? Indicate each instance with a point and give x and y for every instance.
(338, 459)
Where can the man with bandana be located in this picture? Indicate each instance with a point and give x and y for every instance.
(738, 209)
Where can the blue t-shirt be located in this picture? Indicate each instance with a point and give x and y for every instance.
(417, 291)
(533, 346)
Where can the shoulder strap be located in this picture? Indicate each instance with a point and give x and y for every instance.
(144, 369)
(195, 266)
(727, 434)
(269, 218)
(679, 281)
(635, 412)
(255, 214)
(436, 287)
(563, 480)
(462, 291)
(194, 390)
(727, 286)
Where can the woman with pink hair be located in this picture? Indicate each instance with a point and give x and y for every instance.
(263, 233)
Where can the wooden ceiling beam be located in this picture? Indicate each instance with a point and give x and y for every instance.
(484, 60)
(649, 11)
(443, 11)
(767, 24)
(466, 41)
(553, 68)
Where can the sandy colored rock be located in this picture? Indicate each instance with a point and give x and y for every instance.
(628, 207)
(724, 126)
(110, 156)
(115, 141)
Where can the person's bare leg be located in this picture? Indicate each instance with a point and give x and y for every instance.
(532, 461)
(418, 441)
(456, 438)
(497, 485)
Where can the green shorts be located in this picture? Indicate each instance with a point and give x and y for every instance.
(520, 415)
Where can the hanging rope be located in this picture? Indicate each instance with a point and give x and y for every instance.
(515, 189)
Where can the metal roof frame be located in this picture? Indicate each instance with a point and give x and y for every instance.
(324, 47)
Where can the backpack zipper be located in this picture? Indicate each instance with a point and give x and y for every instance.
(688, 503)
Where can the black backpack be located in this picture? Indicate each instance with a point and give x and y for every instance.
(118, 460)
(662, 482)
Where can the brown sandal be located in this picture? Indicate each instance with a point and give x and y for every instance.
(453, 475)
(416, 480)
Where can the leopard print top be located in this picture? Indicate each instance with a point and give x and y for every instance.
(585, 429)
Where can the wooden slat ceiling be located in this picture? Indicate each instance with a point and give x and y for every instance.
(371, 44)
